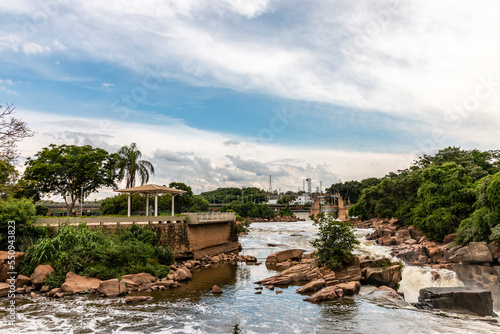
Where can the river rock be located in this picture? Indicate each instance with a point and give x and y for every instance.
(312, 286)
(53, 292)
(22, 280)
(352, 272)
(385, 294)
(494, 248)
(138, 279)
(464, 300)
(350, 288)
(482, 276)
(112, 288)
(475, 252)
(411, 254)
(328, 293)
(4, 263)
(182, 274)
(45, 288)
(4, 289)
(378, 276)
(285, 255)
(216, 290)
(136, 299)
(41, 271)
(297, 273)
(79, 284)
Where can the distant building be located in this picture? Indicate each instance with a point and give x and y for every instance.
(303, 200)
(272, 202)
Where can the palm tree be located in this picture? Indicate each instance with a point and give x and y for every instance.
(129, 165)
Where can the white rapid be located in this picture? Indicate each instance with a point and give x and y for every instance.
(413, 278)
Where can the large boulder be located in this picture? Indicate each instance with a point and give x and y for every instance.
(112, 288)
(79, 284)
(464, 300)
(385, 294)
(297, 273)
(328, 293)
(350, 288)
(285, 255)
(22, 280)
(411, 254)
(4, 264)
(138, 279)
(312, 286)
(4, 289)
(494, 248)
(475, 252)
(379, 276)
(352, 272)
(38, 276)
(182, 274)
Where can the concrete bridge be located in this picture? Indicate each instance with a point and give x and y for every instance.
(189, 235)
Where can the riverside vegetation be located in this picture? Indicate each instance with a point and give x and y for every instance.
(452, 191)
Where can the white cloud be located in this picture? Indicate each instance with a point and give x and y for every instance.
(200, 158)
(3, 87)
(32, 48)
(59, 46)
(414, 60)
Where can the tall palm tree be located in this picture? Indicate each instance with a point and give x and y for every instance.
(129, 165)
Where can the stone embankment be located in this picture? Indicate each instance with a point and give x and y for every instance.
(477, 264)
(325, 284)
(74, 284)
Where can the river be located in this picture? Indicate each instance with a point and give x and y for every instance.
(193, 308)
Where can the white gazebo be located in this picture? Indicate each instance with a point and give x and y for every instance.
(150, 189)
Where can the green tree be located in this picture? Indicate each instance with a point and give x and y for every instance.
(183, 202)
(335, 242)
(286, 199)
(8, 177)
(69, 170)
(130, 165)
(486, 217)
(445, 198)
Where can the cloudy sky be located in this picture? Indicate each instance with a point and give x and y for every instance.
(228, 92)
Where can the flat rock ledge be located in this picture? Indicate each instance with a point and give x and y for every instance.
(462, 300)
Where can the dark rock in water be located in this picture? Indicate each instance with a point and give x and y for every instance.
(464, 300)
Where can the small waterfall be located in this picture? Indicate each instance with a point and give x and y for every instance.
(416, 278)
(413, 278)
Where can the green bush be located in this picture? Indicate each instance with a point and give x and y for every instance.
(335, 242)
(41, 210)
(22, 212)
(99, 254)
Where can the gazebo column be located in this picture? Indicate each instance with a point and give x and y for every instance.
(147, 205)
(173, 213)
(156, 204)
(129, 203)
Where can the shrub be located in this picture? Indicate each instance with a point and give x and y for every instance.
(41, 210)
(335, 242)
(99, 254)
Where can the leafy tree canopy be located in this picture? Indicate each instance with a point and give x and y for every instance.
(66, 170)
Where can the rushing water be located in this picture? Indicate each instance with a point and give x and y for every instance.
(192, 308)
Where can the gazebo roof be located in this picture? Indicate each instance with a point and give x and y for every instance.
(151, 189)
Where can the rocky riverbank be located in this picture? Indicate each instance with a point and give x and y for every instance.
(322, 283)
(476, 264)
(144, 283)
